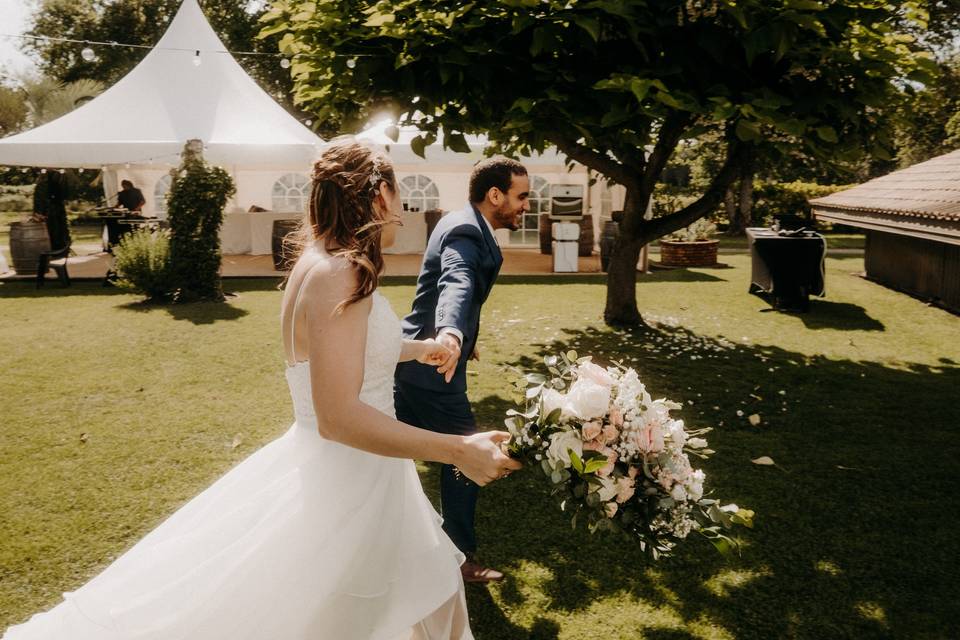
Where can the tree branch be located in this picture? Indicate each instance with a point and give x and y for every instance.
(737, 154)
(668, 139)
(596, 161)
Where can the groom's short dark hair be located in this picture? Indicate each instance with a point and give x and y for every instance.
(498, 172)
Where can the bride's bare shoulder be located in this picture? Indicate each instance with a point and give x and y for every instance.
(325, 280)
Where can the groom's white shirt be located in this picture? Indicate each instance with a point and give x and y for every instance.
(456, 333)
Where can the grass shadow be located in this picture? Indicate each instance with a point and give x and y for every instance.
(852, 542)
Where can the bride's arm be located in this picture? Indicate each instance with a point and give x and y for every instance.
(426, 351)
(337, 346)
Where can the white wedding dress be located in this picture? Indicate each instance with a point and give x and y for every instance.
(305, 539)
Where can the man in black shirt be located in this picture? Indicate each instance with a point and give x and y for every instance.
(130, 197)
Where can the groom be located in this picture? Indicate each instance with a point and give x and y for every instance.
(460, 265)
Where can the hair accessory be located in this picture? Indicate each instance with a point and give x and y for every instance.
(375, 175)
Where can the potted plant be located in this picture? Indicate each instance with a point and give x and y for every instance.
(692, 246)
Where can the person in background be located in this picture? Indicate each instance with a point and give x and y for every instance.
(49, 205)
(130, 197)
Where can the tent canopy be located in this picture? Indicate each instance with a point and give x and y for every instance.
(148, 116)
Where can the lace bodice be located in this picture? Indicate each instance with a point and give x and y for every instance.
(384, 341)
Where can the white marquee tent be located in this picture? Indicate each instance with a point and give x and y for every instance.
(138, 127)
(166, 100)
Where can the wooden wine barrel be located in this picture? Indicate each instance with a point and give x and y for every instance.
(586, 236)
(284, 251)
(546, 234)
(27, 241)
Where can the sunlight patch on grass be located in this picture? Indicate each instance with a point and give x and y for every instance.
(724, 583)
(872, 611)
(828, 567)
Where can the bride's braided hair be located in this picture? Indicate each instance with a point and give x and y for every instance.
(345, 181)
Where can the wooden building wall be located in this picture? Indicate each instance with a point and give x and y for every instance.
(920, 267)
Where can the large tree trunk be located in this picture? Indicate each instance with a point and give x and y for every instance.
(730, 207)
(745, 206)
(621, 309)
(739, 201)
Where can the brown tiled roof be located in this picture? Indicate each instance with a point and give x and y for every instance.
(929, 189)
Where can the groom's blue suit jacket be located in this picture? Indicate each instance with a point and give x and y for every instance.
(460, 265)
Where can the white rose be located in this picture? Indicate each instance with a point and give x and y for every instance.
(678, 493)
(595, 374)
(608, 489)
(552, 400)
(678, 437)
(695, 485)
(560, 443)
(587, 400)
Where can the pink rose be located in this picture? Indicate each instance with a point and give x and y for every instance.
(591, 430)
(610, 433)
(650, 439)
(616, 418)
(633, 472)
(625, 489)
(612, 456)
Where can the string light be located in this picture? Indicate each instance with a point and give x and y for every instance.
(285, 63)
(196, 58)
(89, 50)
(88, 54)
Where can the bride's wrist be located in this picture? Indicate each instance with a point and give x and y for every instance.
(453, 450)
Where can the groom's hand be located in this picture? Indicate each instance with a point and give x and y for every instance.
(449, 366)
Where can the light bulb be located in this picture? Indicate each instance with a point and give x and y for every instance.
(351, 63)
(308, 122)
(88, 54)
(80, 170)
(285, 63)
(63, 170)
(43, 170)
(24, 169)
(196, 58)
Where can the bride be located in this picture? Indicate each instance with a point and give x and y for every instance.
(324, 533)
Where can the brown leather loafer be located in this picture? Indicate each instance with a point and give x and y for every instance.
(473, 572)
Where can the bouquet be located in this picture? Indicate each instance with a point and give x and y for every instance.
(615, 456)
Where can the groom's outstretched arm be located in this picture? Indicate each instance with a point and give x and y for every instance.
(460, 253)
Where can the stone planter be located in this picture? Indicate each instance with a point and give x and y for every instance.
(702, 253)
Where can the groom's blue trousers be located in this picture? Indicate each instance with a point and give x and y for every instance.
(445, 413)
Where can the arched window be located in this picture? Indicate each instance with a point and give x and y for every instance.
(290, 193)
(160, 191)
(529, 231)
(419, 193)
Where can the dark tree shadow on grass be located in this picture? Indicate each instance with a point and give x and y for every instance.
(853, 525)
(195, 312)
(825, 314)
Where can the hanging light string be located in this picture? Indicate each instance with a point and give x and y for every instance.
(195, 51)
(150, 162)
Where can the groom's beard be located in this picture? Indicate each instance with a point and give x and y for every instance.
(507, 220)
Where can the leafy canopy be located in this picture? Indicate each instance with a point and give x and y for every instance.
(605, 74)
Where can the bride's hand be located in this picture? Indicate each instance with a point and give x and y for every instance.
(432, 352)
(483, 460)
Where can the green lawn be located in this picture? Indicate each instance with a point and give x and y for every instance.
(856, 527)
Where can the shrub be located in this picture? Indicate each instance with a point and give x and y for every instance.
(700, 230)
(143, 263)
(778, 199)
(195, 205)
